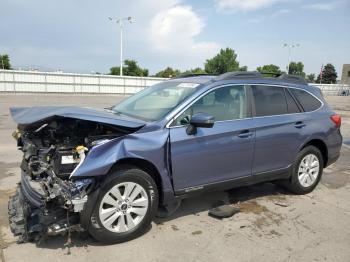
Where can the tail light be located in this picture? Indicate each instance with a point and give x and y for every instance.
(336, 120)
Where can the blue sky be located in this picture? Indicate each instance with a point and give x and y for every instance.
(76, 36)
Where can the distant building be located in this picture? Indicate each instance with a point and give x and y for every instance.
(345, 75)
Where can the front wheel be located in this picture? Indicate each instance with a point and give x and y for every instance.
(307, 171)
(125, 208)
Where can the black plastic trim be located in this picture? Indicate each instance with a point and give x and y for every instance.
(287, 90)
(279, 174)
(332, 160)
(34, 198)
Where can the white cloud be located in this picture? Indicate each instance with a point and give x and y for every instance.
(323, 6)
(255, 20)
(243, 5)
(274, 15)
(280, 12)
(173, 31)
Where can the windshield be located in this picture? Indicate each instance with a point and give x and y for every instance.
(155, 102)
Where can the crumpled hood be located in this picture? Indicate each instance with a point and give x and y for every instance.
(31, 115)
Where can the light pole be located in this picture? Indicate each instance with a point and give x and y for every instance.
(290, 46)
(120, 21)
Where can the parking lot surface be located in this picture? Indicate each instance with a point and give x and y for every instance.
(273, 225)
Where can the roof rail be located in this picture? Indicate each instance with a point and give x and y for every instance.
(292, 79)
(238, 74)
(272, 74)
(277, 76)
(192, 75)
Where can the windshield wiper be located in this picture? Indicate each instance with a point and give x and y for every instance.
(110, 109)
(118, 113)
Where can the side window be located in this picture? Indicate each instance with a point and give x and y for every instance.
(292, 105)
(307, 101)
(225, 103)
(269, 100)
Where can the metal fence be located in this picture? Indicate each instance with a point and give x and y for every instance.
(43, 82)
(334, 89)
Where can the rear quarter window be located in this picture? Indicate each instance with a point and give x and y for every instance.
(307, 101)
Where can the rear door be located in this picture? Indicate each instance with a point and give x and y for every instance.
(216, 154)
(279, 128)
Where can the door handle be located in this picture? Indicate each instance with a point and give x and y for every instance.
(245, 134)
(299, 124)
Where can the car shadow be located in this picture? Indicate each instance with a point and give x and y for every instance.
(190, 206)
(77, 240)
(205, 202)
(81, 240)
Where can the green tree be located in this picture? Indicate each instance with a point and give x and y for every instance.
(196, 70)
(5, 62)
(329, 75)
(224, 61)
(115, 70)
(296, 68)
(130, 68)
(273, 69)
(310, 78)
(168, 73)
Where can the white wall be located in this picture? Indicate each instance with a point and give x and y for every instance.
(27, 81)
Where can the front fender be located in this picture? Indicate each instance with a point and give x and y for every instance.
(150, 146)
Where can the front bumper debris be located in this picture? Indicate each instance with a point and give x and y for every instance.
(32, 217)
(17, 216)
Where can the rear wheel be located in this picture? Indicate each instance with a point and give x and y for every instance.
(125, 208)
(307, 171)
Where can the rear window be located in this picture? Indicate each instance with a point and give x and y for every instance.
(307, 101)
(269, 100)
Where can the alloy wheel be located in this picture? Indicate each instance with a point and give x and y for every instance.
(308, 171)
(123, 207)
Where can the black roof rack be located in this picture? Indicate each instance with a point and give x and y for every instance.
(273, 74)
(257, 75)
(239, 74)
(292, 78)
(192, 75)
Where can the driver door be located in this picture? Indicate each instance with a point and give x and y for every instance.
(217, 154)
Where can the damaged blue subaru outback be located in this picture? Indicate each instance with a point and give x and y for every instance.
(110, 171)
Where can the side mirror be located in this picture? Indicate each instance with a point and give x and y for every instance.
(199, 120)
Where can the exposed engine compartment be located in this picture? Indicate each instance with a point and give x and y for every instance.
(54, 145)
(50, 199)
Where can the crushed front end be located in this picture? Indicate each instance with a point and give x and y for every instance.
(49, 200)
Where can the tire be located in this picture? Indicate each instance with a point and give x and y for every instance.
(17, 217)
(305, 172)
(119, 217)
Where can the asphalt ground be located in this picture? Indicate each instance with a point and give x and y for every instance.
(273, 224)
